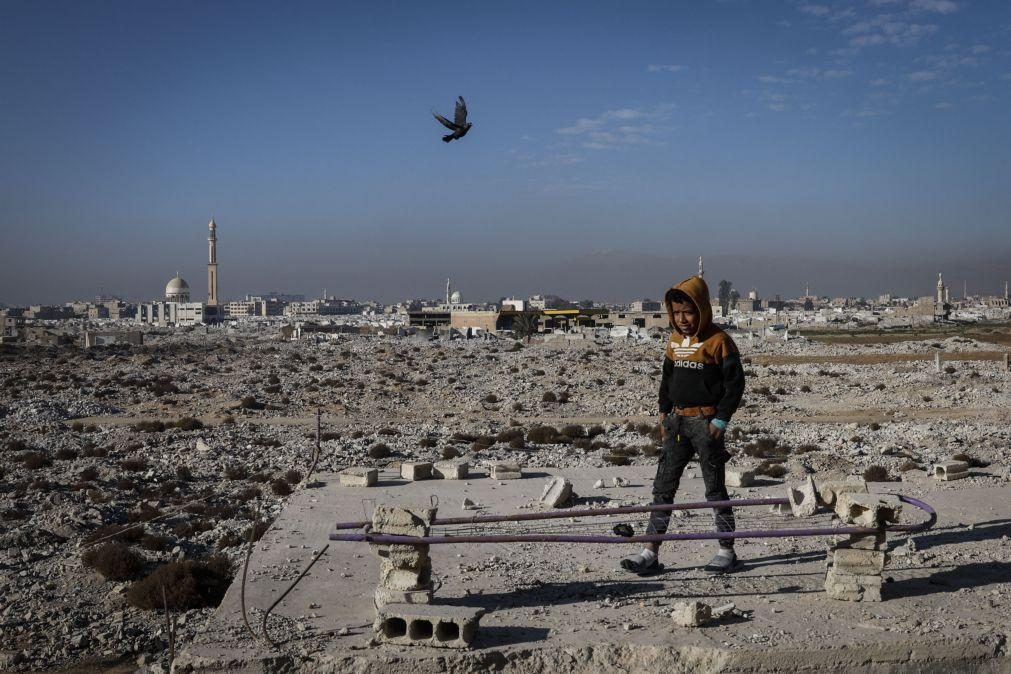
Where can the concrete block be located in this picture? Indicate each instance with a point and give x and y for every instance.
(438, 626)
(394, 578)
(738, 477)
(860, 542)
(803, 498)
(691, 614)
(508, 470)
(852, 588)
(359, 477)
(402, 556)
(415, 471)
(855, 562)
(557, 493)
(451, 470)
(868, 510)
(402, 520)
(951, 470)
(385, 595)
(829, 490)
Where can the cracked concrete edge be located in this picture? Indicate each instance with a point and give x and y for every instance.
(986, 656)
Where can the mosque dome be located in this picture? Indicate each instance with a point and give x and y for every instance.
(177, 290)
(455, 297)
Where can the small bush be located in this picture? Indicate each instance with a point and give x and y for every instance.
(229, 540)
(542, 435)
(508, 435)
(549, 397)
(184, 473)
(251, 403)
(156, 542)
(292, 476)
(379, 451)
(563, 397)
(427, 442)
(450, 452)
(387, 431)
(879, 387)
(89, 474)
(616, 459)
(66, 454)
(134, 464)
(595, 430)
(114, 561)
(35, 460)
(950, 369)
(927, 399)
(186, 585)
(247, 494)
(875, 426)
(491, 398)
(93, 451)
(573, 431)
(807, 449)
(876, 474)
(805, 389)
(235, 471)
(619, 382)
(149, 426)
(189, 424)
(517, 443)
(280, 487)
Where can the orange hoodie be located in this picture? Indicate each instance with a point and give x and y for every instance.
(703, 369)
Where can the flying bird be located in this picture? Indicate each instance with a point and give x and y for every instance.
(459, 126)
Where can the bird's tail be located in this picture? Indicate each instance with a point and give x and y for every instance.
(446, 139)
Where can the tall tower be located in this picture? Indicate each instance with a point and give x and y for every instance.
(448, 291)
(212, 264)
(941, 290)
(702, 271)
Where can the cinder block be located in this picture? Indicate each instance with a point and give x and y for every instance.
(402, 520)
(385, 595)
(852, 588)
(874, 541)
(855, 562)
(405, 580)
(738, 477)
(951, 470)
(452, 470)
(359, 477)
(691, 614)
(803, 499)
(557, 493)
(506, 471)
(829, 490)
(402, 556)
(868, 510)
(438, 626)
(415, 471)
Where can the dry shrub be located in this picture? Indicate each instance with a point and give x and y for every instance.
(189, 424)
(14, 514)
(879, 387)
(649, 450)
(251, 403)
(595, 430)
(460, 436)
(292, 476)
(114, 561)
(583, 443)
(66, 454)
(517, 407)
(908, 465)
(616, 459)
(450, 452)
(563, 397)
(770, 469)
(90, 450)
(805, 389)
(508, 435)
(248, 494)
(542, 435)
(573, 431)
(182, 586)
(427, 442)
(184, 473)
(88, 474)
(235, 471)
(491, 398)
(156, 542)
(379, 451)
(388, 431)
(329, 435)
(484, 441)
(134, 464)
(876, 474)
(144, 513)
(549, 397)
(806, 449)
(35, 460)
(229, 540)
(517, 443)
(257, 531)
(971, 460)
(116, 532)
(875, 426)
(280, 487)
(149, 426)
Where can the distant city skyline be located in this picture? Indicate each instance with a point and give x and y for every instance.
(860, 146)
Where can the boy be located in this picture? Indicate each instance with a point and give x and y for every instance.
(701, 388)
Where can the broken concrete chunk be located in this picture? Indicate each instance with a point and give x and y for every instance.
(385, 595)
(557, 493)
(738, 477)
(599, 484)
(852, 587)
(415, 471)
(202, 445)
(451, 470)
(619, 482)
(691, 614)
(402, 521)
(403, 556)
(951, 470)
(874, 541)
(359, 477)
(829, 490)
(439, 626)
(868, 510)
(395, 578)
(803, 498)
(508, 470)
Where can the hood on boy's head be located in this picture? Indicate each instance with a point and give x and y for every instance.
(698, 291)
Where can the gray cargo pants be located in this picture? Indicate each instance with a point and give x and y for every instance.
(684, 436)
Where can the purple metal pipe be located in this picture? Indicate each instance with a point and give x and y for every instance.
(590, 512)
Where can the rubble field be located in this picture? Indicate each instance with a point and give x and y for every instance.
(133, 479)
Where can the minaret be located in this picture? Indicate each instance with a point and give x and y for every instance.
(940, 288)
(212, 264)
(447, 291)
(1005, 290)
(702, 271)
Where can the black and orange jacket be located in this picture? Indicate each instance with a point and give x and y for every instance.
(701, 369)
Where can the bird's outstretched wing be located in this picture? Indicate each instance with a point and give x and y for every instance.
(460, 117)
(446, 123)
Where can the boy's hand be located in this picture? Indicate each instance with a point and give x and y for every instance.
(715, 432)
(663, 431)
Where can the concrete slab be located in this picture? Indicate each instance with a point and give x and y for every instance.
(570, 607)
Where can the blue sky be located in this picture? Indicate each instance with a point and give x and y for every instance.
(865, 142)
